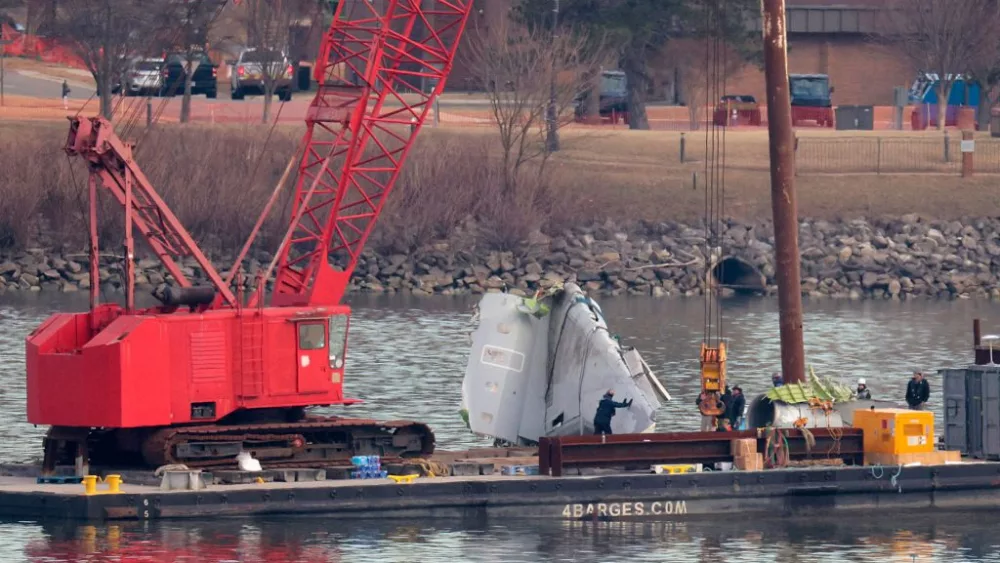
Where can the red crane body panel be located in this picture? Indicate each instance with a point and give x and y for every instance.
(148, 370)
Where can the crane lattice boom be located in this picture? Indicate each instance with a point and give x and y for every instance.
(379, 72)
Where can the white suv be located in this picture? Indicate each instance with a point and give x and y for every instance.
(255, 67)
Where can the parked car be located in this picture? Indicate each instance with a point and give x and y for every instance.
(173, 75)
(736, 109)
(612, 98)
(253, 69)
(142, 76)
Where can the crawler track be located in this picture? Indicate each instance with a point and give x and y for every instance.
(313, 442)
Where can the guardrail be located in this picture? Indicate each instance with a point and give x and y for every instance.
(640, 451)
(924, 154)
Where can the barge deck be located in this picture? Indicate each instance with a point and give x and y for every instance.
(611, 497)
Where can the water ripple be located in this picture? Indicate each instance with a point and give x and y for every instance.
(406, 360)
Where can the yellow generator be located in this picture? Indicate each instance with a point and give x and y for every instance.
(896, 431)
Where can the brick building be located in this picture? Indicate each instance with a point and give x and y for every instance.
(833, 37)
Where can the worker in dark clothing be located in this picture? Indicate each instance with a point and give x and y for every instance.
(917, 392)
(606, 410)
(863, 393)
(776, 379)
(736, 406)
(65, 94)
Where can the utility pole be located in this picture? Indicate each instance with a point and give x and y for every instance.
(552, 138)
(783, 205)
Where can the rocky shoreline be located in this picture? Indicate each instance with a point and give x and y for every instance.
(880, 259)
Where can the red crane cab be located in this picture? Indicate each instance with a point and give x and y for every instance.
(151, 369)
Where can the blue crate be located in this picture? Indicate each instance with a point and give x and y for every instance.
(59, 480)
(511, 470)
(369, 474)
(372, 462)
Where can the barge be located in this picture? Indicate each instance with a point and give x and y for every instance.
(597, 498)
(578, 478)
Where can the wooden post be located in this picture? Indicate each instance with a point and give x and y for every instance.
(968, 150)
(783, 204)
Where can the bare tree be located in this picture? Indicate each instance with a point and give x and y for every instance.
(524, 69)
(985, 71)
(942, 37)
(268, 27)
(192, 23)
(105, 34)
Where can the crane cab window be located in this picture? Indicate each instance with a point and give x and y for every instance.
(312, 336)
(338, 340)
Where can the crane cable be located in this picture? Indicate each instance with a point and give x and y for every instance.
(715, 64)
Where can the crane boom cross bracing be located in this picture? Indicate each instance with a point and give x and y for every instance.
(370, 62)
(199, 384)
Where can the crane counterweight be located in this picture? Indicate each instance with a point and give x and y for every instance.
(204, 375)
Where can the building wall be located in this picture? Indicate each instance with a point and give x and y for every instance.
(861, 72)
(462, 77)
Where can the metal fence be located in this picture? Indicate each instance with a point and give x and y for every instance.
(892, 155)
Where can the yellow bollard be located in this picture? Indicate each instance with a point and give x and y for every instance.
(114, 483)
(90, 484)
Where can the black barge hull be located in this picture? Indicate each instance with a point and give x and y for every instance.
(787, 492)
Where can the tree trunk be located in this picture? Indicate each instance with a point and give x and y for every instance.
(983, 112)
(986, 99)
(635, 77)
(268, 94)
(693, 109)
(107, 99)
(592, 109)
(186, 101)
(942, 106)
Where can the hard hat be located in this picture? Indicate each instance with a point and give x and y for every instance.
(861, 381)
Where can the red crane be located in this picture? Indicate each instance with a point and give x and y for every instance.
(210, 372)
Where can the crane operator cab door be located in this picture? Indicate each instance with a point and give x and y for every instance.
(313, 369)
(320, 355)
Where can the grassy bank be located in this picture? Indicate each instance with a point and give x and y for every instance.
(217, 180)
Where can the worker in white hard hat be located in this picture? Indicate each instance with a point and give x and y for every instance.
(863, 392)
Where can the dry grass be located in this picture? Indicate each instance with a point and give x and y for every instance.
(625, 174)
(205, 174)
(217, 179)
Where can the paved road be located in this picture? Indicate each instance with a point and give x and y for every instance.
(455, 108)
(29, 83)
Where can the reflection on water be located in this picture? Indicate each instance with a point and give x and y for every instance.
(312, 540)
(406, 360)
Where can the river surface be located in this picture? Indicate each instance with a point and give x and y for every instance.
(406, 360)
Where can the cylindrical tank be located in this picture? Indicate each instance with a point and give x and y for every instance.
(181, 296)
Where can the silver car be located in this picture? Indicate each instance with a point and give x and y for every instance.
(255, 67)
(143, 76)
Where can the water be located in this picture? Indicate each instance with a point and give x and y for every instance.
(406, 360)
